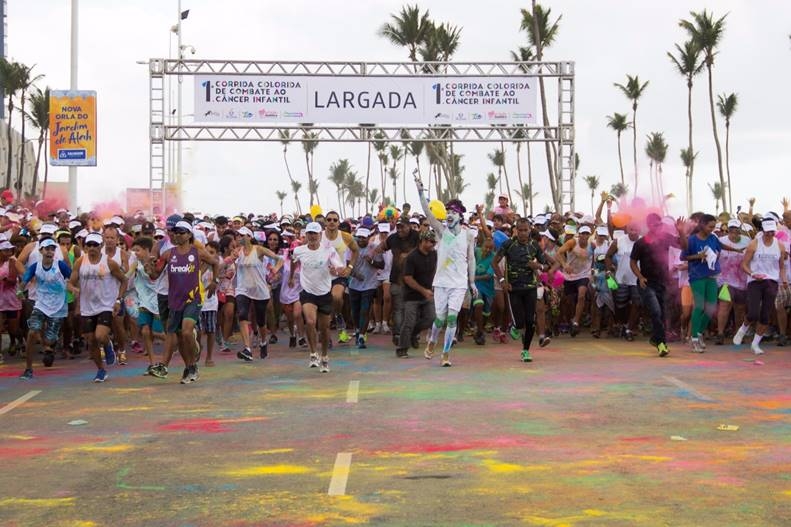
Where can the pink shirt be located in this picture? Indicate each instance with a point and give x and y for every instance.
(8, 282)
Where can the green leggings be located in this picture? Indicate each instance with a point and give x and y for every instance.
(704, 296)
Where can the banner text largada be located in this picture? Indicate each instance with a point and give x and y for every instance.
(72, 128)
(361, 99)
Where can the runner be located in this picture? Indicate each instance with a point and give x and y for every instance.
(10, 303)
(118, 254)
(318, 265)
(732, 282)
(419, 269)
(101, 286)
(575, 259)
(627, 296)
(148, 308)
(341, 242)
(362, 285)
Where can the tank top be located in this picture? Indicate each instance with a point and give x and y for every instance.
(251, 276)
(623, 270)
(339, 244)
(51, 298)
(184, 285)
(210, 303)
(579, 260)
(35, 257)
(766, 260)
(98, 288)
(452, 259)
(8, 299)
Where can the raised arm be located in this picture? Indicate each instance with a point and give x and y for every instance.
(433, 221)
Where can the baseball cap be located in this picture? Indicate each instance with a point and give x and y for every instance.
(415, 221)
(94, 237)
(502, 196)
(570, 229)
(82, 234)
(147, 226)
(158, 233)
(183, 225)
(117, 220)
(362, 232)
(428, 234)
(601, 231)
(548, 235)
(137, 228)
(313, 227)
(769, 226)
(584, 230)
(172, 220)
(49, 242)
(74, 224)
(244, 231)
(383, 227)
(48, 228)
(734, 224)
(5, 245)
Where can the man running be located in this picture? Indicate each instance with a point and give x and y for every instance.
(341, 242)
(419, 268)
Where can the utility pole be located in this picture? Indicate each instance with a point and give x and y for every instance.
(73, 86)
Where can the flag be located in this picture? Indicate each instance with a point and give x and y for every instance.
(185, 14)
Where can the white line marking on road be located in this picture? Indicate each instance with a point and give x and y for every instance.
(340, 474)
(13, 404)
(686, 387)
(353, 391)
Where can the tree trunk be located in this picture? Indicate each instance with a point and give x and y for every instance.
(290, 178)
(21, 172)
(691, 151)
(620, 159)
(716, 135)
(530, 176)
(519, 177)
(46, 175)
(403, 175)
(382, 179)
(10, 163)
(367, 177)
(634, 144)
(38, 159)
(728, 163)
(545, 117)
(505, 173)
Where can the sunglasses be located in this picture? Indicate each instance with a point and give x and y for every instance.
(180, 231)
(92, 244)
(331, 220)
(50, 248)
(159, 237)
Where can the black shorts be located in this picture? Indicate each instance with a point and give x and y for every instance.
(10, 315)
(164, 310)
(340, 280)
(88, 324)
(571, 288)
(323, 303)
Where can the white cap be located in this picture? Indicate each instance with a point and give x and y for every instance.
(74, 224)
(490, 224)
(547, 234)
(82, 233)
(584, 230)
(288, 234)
(313, 227)
(602, 231)
(570, 229)
(5, 245)
(746, 227)
(362, 232)
(117, 220)
(383, 227)
(159, 232)
(769, 226)
(244, 231)
(49, 242)
(414, 220)
(587, 219)
(183, 225)
(137, 227)
(734, 223)
(94, 237)
(48, 228)
(271, 227)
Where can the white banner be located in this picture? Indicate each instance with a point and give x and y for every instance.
(349, 100)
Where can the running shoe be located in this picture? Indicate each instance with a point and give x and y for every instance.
(136, 347)
(543, 341)
(526, 356)
(109, 354)
(480, 339)
(27, 375)
(514, 333)
(696, 348)
(49, 358)
(575, 329)
(446, 360)
(361, 342)
(314, 360)
(264, 350)
(385, 328)
(149, 370)
(757, 349)
(702, 342)
(292, 342)
(402, 353)
(662, 348)
(225, 349)
(628, 335)
(496, 334)
(160, 371)
(325, 366)
(101, 375)
(343, 337)
(739, 336)
(246, 355)
(194, 375)
(303, 342)
(122, 358)
(185, 376)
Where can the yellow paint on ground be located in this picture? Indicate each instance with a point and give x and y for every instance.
(595, 512)
(348, 510)
(268, 470)
(108, 449)
(20, 437)
(273, 451)
(500, 467)
(128, 409)
(37, 502)
(786, 493)
(657, 459)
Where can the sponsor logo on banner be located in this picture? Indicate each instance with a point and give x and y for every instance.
(475, 116)
(493, 115)
(268, 114)
(72, 128)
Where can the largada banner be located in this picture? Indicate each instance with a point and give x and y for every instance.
(352, 100)
(72, 128)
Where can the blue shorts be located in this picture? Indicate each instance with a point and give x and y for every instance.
(145, 318)
(38, 320)
(190, 311)
(485, 300)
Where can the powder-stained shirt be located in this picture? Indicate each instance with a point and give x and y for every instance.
(517, 258)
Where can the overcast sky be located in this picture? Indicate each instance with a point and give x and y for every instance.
(607, 39)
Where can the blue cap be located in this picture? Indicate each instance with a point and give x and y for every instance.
(172, 220)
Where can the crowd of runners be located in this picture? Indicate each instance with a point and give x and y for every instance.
(429, 278)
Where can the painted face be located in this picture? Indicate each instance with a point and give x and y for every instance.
(454, 218)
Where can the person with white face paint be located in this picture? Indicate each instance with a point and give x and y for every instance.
(455, 271)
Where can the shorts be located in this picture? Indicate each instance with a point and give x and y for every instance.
(208, 321)
(686, 296)
(737, 296)
(243, 304)
(340, 280)
(783, 298)
(38, 320)
(164, 311)
(145, 318)
(467, 300)
(323, 303)
(448, 299)
(88, 324)
(190, 311)
(10, 315)
(626, 295)
(571, 288)
(485, 301)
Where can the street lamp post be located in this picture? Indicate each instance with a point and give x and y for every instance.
(73, 86)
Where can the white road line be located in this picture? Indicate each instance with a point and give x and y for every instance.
(340, 474)
(13, 404)
(687, 388)
(353, 391)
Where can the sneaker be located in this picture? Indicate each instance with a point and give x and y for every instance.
(757, 349)
(314, 360)
(496, 334)
(194, 375)
(292, 342)
(385, 328)
(101, 375)
(628, 335)
(479, 339)
(343, 337)
(377, 328)
(148, 370)
(361, 342)
(514, 333)
(185, 377)
(781, 341)
(662, 348)
(575, 329)
(429, 351)
(696, 347)
(526, 356)
(225, 349)
(702, 342)
(544, 341)
(27, 375)
(246, 355)
(264, 350)
(122, 358)
(303, 342)
(109, 355)
(739, 336)
(402, 353)
(49, 358)
(325, 366)
(136, 347)
(446, 360)
(273, 339)
(160, 371)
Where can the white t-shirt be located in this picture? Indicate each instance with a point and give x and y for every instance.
(452, 259)
(315, 276)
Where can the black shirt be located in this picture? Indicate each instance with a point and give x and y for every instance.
(650, 252)
(421, 267)
(517, 258)
(400, 247)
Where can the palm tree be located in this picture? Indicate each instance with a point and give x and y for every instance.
(498, 160)
(380, 145)
(280, 197)
(491, 185)
(706, 33)
(633, 91)
(688, 159)
(396, 153)
(354, 190)
(727, 104)
(11, 79)
(541, 33)
(407, 29)
(619, 190)
(372, 197)
(718, 194)
(338, 173)
(526, 194)
(593, 184)
(688, 64)
(285, 138)
(26, 82)
(416, 149)
(619, 122)
(523, 54)
(39, 117)
(656, 150)
(309, 143)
